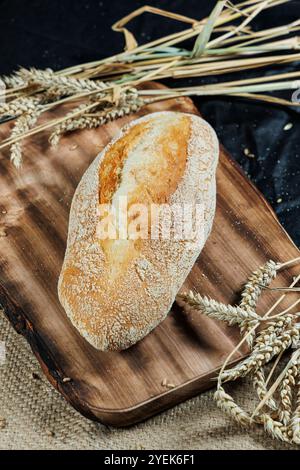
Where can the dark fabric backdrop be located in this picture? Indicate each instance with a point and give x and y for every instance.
(53, 33)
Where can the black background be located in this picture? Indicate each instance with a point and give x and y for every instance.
(53, 33)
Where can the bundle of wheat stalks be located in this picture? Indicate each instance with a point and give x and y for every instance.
(106, 89)
(278, 409)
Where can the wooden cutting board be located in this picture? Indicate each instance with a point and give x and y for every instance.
(185, 350)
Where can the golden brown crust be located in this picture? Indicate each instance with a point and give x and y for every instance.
(116, 291)
(113, 162)
(155, 184)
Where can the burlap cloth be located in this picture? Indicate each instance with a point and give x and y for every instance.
(35, 416)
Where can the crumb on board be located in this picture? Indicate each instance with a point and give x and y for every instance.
(248, 153)
(66, 379)
(50, 433)
(167, 384)
(3, 232)
(288, 126)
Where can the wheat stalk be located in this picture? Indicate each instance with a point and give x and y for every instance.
(281, 331)
(84, 121)
(262, 354)
(64, 85)
(286, 394)
(260, 278)
(267, 314)
(274, 328)
(219, 311)
(18, 107)
(227, 404)
(259, 384)
(295, 422)
(23, 123)
(293, 360)
(251, 293)
(274, 428)
(13, 81)
(68, 124)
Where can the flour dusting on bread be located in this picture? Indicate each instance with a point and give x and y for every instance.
(116, 291)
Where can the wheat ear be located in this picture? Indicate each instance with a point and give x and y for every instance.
(227, 404)
(295, 422)
(251, 293)
(22, 124)
(259, 384)
(13, 81)
(260, 278)
(274, 428)
(262, 354)
(92, 121)
(286, 394)
(62, 84)
(19, 106)
(217, 310)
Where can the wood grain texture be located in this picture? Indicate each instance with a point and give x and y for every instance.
(186, 350)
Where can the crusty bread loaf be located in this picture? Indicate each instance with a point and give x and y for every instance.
(116, 291)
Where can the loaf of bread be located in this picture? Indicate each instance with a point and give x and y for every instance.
(116, 290)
